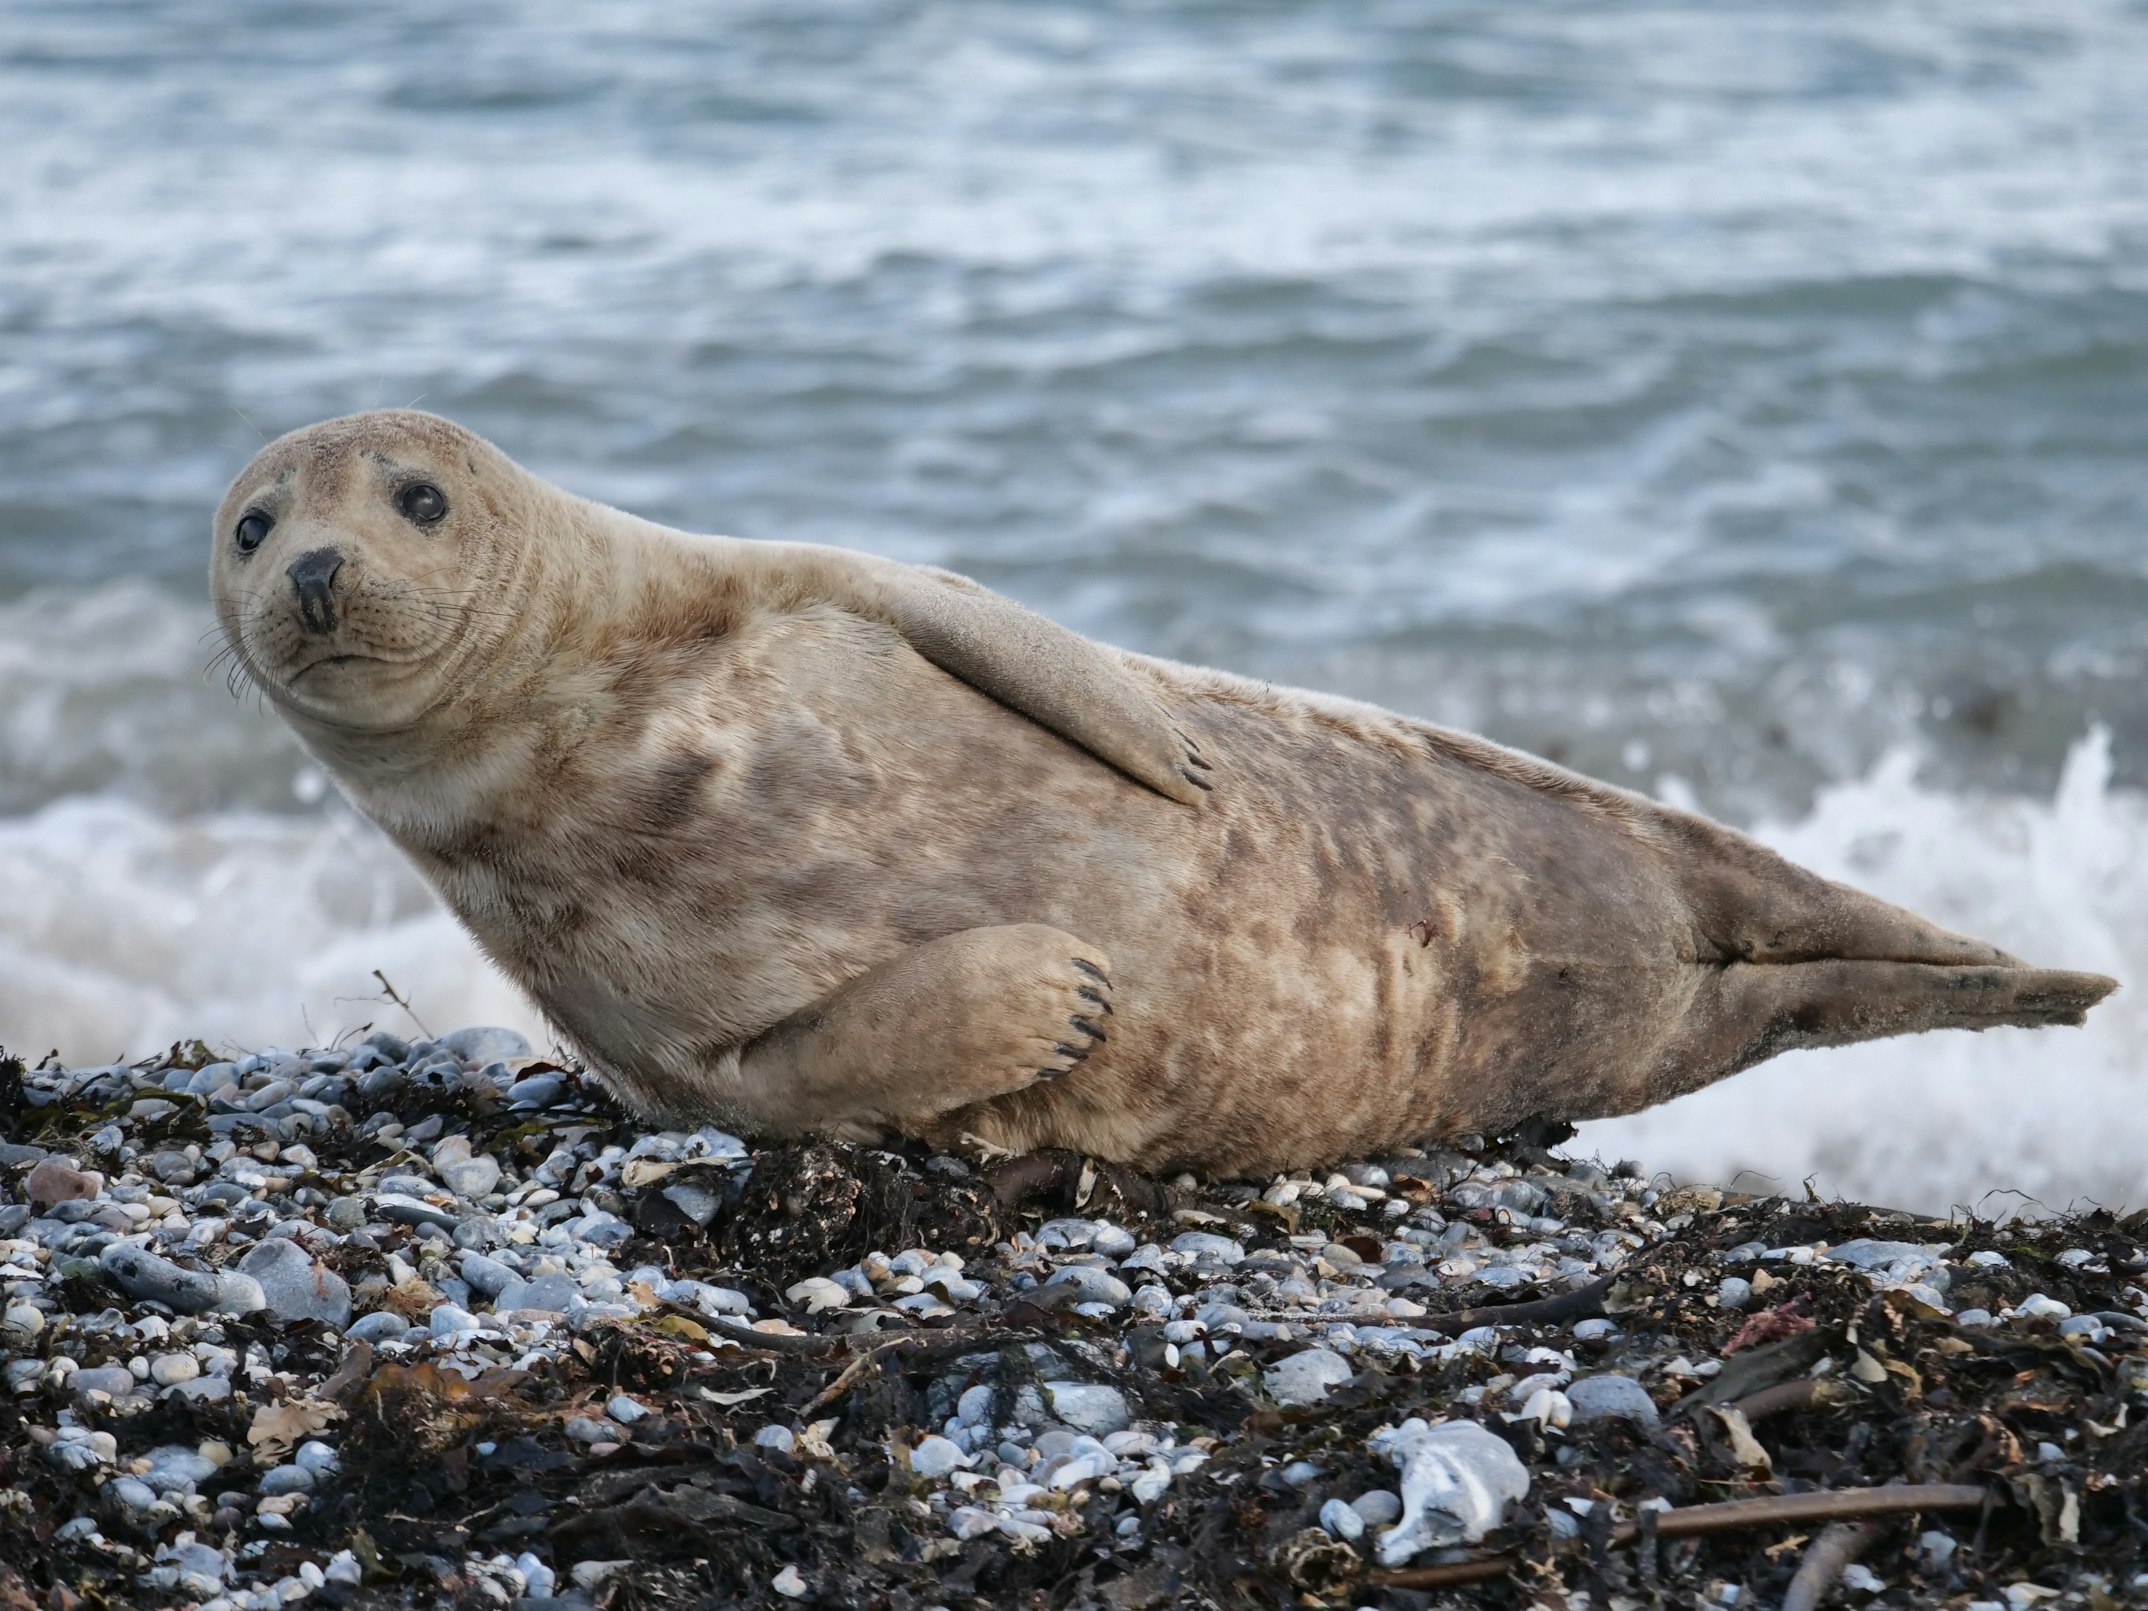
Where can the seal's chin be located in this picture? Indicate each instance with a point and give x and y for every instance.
(361, 692)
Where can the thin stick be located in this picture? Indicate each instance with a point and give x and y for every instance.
(402, 1003)
(1840, 1504)
(1694, 1521)
(851, 1372)
(1575, 1305)
(1452, 1572)
(1775, 1400)
(1829, 1557)
(775, 1342)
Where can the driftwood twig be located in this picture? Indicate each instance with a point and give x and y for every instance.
(1578, 1304)
(1829, 1557)
(1694, 1521)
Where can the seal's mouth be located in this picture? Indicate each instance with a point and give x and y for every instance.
(333, 660)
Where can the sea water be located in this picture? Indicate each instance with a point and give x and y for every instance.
(1744, 403)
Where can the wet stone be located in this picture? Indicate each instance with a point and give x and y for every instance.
(1598, 1397)
(1305, 1377)
(142, 1274)
(294, 1287)
(1089, 1408)
(57, 1180)
(1087, 1284)
(486, 1045)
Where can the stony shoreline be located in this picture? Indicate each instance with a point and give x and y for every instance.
(413, 1324)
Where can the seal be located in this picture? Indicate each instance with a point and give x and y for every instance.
(800, 840)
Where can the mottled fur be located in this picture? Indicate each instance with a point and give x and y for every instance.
(797, 839)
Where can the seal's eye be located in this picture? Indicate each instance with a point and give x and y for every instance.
(252, 530)
(421, 502)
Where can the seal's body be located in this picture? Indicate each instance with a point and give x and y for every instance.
(796, 839)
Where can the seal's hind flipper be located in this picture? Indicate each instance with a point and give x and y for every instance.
(1081, 690)
(1751, 905)
(1783, 958)
(1745, 1012)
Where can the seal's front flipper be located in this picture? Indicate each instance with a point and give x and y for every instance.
(1746, 1012)
(1059, 679)
(973, 1015)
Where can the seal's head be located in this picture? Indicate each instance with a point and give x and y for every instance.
(360, 565)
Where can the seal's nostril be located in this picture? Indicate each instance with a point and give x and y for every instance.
(313, 573)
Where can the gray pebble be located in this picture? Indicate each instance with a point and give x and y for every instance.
(1596, 1397)
(603, 1230)
(212, 1077)
(391, 1047)
(142, 1274)
(1089, 1284)
(485, 1045)
(974, 1408)
(294, 1287)
(470, 1177)
(114, 1380)
(935, 1457)
(696, 1202)
(1342, 1521)
(548, 1293)
(383, 1325)
(1378, 1507)
(1204, 1245)
(486, 1276)
(1306, 1377)
(136, 1495)
(449, 1321)
(286, 1480)
(1096, 1410)
(536, 1091)
(238, 1293)
(316, 1457)
(407, 1210)
(175, 1468)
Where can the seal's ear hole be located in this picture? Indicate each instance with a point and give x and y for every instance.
(252, 530)
(422, 503)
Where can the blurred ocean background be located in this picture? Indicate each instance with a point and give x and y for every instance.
(1745, 403)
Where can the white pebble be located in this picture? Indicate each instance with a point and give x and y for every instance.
(168, 1370)
(537, 1577)
(935, 1457)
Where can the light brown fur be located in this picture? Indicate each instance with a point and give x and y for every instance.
(802, 840)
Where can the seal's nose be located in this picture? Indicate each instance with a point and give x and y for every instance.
(313, 573)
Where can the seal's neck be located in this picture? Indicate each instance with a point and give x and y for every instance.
(599, 595)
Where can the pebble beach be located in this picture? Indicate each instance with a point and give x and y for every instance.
(432, 1322)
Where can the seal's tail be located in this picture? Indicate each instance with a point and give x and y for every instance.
(1791, 959)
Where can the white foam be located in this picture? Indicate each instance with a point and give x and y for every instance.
(121, 932)
(1951, 1118)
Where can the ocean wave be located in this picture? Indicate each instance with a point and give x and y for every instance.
(122, 931)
